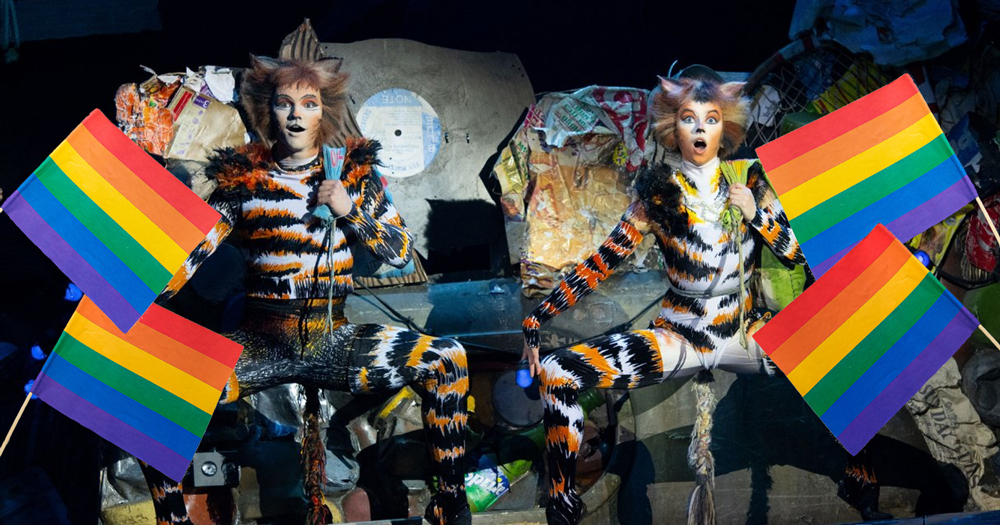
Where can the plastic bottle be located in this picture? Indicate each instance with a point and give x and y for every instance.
(491, 481)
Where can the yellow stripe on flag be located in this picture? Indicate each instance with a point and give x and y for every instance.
(828, 184)
(123, 212)
(139, 362)
(821, 360)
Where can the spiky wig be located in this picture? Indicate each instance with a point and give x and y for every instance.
(264, 77)
(675, 93)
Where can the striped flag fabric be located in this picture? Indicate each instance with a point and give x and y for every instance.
(111, 218)
(151, 391)
(862, 340)
(880, 159)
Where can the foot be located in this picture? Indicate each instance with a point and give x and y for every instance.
(863, 496)
(566, 509)
(449, 508)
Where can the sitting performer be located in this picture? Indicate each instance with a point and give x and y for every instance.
(299, 271)
(706, 311)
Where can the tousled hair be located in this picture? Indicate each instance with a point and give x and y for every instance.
(264, 77)
(675, 93)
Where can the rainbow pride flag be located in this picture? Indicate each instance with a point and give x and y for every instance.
(151, 391)
(862, 340)
(880, 159)
(111, 218)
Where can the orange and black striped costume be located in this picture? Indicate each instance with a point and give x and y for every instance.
(698, 324)
(286, 330)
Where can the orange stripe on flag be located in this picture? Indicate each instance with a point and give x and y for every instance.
(825, 322)
(812, 135)
(147, 201)
(847, 146)
(170, 351)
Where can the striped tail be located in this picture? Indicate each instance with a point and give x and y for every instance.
(314, 462)
(701, 507)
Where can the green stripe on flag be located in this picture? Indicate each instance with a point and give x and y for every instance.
(874, 345)
(95, 219)
(153, 397)
(871, 190)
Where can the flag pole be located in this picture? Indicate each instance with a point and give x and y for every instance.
(989, 221)
(14, 424)
(990, 337)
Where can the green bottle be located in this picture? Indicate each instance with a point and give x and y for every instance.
(491, 481)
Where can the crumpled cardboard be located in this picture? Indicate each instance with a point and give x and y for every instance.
(201, 125)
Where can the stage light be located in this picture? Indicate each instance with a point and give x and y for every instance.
(73, 293)
(28, 386)
(524, 378)
(37, 353)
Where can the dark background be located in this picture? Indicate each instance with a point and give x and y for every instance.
(55, 83)
(563, 45)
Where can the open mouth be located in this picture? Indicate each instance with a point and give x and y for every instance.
(700, 145)
(295, 128)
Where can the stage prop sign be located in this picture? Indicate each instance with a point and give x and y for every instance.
(866, 336)
(151, 391)
(111, 218)
(881, 159)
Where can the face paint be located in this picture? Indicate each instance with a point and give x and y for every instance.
(298, 111)
(699, 131)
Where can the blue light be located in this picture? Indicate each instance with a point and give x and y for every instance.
(28, 386)
(923, 258)
(524, 378)
(73, 293)
(37, 353)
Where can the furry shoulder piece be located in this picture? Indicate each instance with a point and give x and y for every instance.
(362, 150)
(362, 157)
(758, 184)
(661, 198)
(241, 170)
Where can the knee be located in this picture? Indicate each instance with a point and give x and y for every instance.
(451, 360)
(554, 374)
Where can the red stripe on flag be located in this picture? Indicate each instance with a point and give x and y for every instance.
(817, 133)
(192, 335)
(154, 175)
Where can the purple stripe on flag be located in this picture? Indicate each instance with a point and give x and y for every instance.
(71, 263)
(908, 382)
(170, 463)
(935, 210)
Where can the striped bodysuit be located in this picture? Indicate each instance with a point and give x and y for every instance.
(287, 338)
(698, 324)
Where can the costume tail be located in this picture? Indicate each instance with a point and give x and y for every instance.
(701, 507)
(314, 462)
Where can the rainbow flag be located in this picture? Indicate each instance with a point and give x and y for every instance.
(880, 159)
(862, 340)
(111, 218)
(151, 391)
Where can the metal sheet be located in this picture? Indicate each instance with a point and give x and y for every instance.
(478, 98)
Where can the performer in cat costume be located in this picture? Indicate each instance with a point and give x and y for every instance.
(706, 316)
(299, 273)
